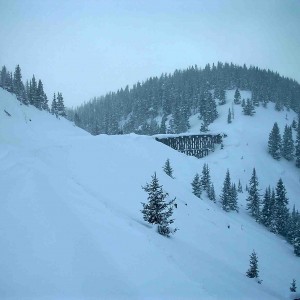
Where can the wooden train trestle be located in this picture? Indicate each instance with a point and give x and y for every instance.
(194, 145)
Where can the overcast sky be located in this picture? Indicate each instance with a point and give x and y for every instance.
(87, 48)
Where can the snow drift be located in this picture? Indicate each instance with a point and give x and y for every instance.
(70, 221)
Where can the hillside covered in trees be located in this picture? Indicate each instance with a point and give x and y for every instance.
(164, 104)
(32, 92)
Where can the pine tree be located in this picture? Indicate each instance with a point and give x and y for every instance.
(292, 226)
(233, 204)
(273, 215)
(196, 185)
(42, 98)
(237, 97)
(248, 108)
(18, 86)
(204, 126)
(297, 153)
(163, 128)
(33, 98)
(157, 210)
(61, 111)
(274, 144)
(243, 103)
(293, 287)
(287, 143)
(297, 240)
(205, 178)
(266, 212)
(240, 187)
(168, 169)
(226, 192)
(8, 85)
(222, 97)
(208, 112)
(3, 77)
(229, 116)
(180, 120)
(253, 269)
(77, 120)
(54, 106)
(211, 193)
(254, 198)
(282, 212)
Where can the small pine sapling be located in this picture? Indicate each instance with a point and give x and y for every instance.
(168, 169)
(293, 287)
(157, 210)
(196, 185)
(253, 269)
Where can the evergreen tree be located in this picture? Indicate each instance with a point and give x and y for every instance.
(240, 187)
(61, 111)
(42, 102)
(180, 120)
(211, 109)
(297, 153)
(274, 144)
(297, 240)
(287, 143)
(292, 225)
(204, 126)
(157, 210)
(196, 185)
(163, 128)
(273, 215)
(205, 178)
(294, 124)
(226, 193)
(3, 77)
(18, 86)
(253, 269)
(249, 109)
(254, 198)
(208, 111)
(266, 212)
(237, 97)
(222, 97)
(233, 204)
(168, 169)
(243, 103)
(33, 96)
(8, 85)
(95, 129)
(54, 106)
(77, 120)
(211, 193)
(293, 287)
(229, 116)
(282, 212)
(278, 105)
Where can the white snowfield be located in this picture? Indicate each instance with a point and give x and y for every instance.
(71, 226)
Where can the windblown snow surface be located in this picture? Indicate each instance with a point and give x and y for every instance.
(70, 220)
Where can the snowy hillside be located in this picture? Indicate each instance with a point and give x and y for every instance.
(71, 226)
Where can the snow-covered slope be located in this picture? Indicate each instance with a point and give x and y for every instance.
(70, 221)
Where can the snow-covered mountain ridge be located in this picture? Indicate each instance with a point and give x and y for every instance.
(70, 221)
